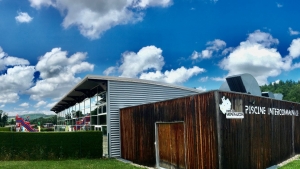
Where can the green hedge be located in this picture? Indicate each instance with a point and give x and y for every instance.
(50, 146)
(47, 129)
(4, 128)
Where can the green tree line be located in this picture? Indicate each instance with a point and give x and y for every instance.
(290, 89)
(42, 120)
(3, 118)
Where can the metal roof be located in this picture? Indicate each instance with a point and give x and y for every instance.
(92, 84)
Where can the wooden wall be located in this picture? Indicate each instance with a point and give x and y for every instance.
(198, 113)
(212, 141)
(258, 140)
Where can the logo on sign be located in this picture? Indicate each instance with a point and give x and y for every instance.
(226, 109)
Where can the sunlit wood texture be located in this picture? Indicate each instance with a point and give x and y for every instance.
(198, 114)
(257, 141)
(171, 144)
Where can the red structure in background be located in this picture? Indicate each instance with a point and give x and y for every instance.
(26, 124)
(82, 123)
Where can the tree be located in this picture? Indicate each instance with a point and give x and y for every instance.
(294, 93)
(12, 121)
(3, 118)
(290, 89)
(52, 119)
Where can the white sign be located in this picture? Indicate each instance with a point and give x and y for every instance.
(226, 109)
(230, 113)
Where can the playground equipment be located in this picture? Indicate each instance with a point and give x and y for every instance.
(22, 125)
(81, 124)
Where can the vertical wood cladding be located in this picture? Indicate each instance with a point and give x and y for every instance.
(259, 140)
(171, 144)
(198, 114)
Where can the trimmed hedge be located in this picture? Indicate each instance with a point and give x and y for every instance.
(50, 146)
(4, 128)
(47, 129)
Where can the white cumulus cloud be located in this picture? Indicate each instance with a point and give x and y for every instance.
(212, 47)
(6, 60)
(294, 48)
(201, 89)
(258, 57)
(23, 17)
(135, 63)
(153, 3)
(110, 70)
(17, 80)
(147, 63)
(50, 105)
(176, 76)
(262, 38)
(218, 79)
(203, 79)
(293, 32)
(57, 73)
(40, 103)
(279, 5)
(276, 82)
(95, 17)
(25, 104)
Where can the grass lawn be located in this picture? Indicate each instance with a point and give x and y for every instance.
(67, 164)
(292, 165)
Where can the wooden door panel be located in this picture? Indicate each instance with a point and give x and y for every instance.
(171, 145)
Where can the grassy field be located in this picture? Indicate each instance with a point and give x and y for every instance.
(292, 165)
(67, 164)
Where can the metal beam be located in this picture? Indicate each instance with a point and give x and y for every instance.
(102, 84)
(86, 92)
(77, 98)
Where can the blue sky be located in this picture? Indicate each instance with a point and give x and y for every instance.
(48, 46)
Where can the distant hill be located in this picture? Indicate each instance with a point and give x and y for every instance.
(32, 116)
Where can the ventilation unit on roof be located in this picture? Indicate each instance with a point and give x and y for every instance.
(278, 96)
(243, 83)
(268, 94)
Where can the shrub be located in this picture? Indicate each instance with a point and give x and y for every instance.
(4, 128)
(50, 146)
(47, 129)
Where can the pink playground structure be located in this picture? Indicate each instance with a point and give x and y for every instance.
(81, 124)
(22, 125)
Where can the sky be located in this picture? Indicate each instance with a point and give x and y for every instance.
(48, 46)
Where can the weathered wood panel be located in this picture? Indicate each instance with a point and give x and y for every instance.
(165, 144)
(297, 130)
(171, 145)
(138, 123)
(259, 140)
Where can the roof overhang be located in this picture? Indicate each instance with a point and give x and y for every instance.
(93, 84)
(85, 89)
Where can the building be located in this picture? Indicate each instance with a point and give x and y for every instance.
(94, 103)
(215, 129)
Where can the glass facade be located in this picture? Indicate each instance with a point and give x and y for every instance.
(90, 114)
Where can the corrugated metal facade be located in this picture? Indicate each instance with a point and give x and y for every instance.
(259, 140)
(123, 94)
